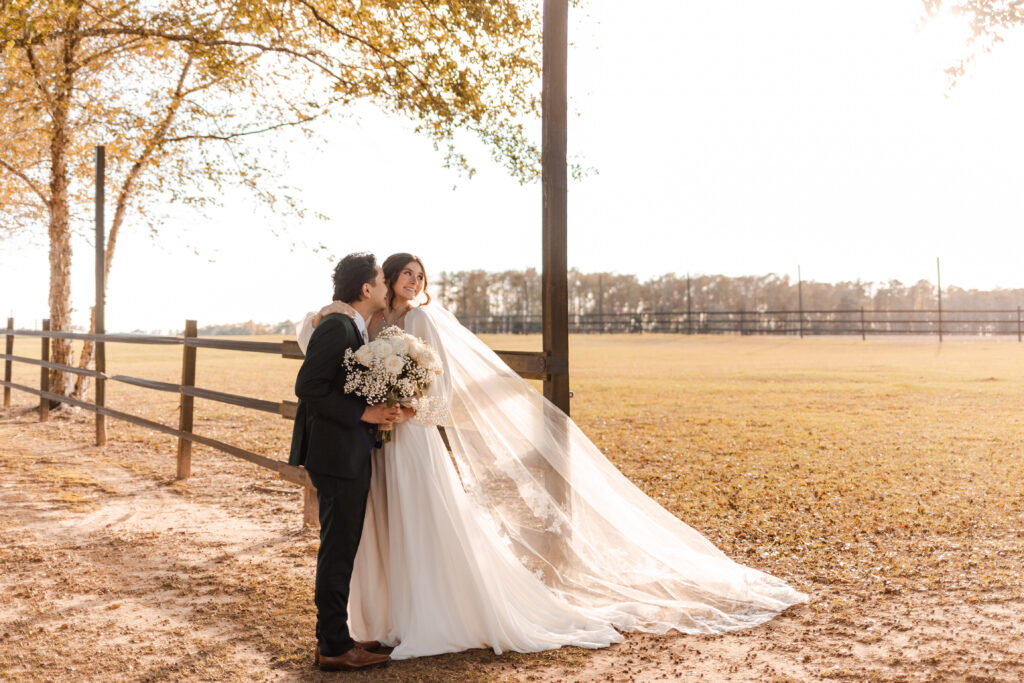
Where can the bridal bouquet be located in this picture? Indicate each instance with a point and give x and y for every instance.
(395, 368)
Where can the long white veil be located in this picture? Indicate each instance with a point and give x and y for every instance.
(574, 519)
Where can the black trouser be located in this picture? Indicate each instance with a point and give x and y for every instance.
(342, 509)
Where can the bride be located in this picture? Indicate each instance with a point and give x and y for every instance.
(524, 537)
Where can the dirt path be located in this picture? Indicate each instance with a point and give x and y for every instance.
(112, 571)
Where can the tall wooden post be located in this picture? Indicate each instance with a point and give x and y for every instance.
(938, 276)
(1018, 325)
(555, 278)
(800, 300)
(187, 404)
(101, 285)
(555, 186)
(863, 328)
(9, 349)
(44, 376)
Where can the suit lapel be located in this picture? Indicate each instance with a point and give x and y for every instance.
(352, 325)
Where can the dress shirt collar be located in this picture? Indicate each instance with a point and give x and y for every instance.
(361, 326)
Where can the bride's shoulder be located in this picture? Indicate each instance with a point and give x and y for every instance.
(415, 316)
(418, 321)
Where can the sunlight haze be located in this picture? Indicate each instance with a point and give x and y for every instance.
(734, 138)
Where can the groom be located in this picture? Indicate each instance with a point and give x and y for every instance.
(334, 433)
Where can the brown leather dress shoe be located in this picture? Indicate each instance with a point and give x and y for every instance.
(368, 645)
(354, 659)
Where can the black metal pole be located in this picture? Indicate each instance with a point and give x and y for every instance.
(938, 274)
(689, 309)
(101, 285)
(800, 300)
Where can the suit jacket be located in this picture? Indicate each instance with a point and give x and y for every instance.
(329, 437)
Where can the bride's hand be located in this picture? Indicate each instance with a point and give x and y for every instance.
(334, 307)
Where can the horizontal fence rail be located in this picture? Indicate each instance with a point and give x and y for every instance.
(531, 365)
(854, 321)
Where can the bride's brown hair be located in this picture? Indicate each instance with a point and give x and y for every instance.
(393, 266)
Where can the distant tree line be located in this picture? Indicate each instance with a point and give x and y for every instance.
(477, 293)
(510, 301)
(248, 327)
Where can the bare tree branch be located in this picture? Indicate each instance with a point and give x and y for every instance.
(37, 74)
(28, 181)
(365, 43)
(244, 133)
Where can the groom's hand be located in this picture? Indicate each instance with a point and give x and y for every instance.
(334, 307)
(406, 414)
(382, 414)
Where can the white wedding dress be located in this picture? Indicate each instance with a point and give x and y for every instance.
(535, 540)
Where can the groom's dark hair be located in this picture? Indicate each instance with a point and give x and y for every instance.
(354, 271)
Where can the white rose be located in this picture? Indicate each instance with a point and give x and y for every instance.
(417, 349)
(380, 348)
(430, 360)
(399, 345)
(394, 364)
(364, 354)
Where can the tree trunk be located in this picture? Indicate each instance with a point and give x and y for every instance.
(120, 210)
(60, 238)
(86, 360)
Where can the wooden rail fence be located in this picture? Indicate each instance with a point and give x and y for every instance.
(528, 364)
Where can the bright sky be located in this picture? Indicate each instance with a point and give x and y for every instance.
(738, 138)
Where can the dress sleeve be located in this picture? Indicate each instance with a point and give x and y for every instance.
(303, 331)
(433, 409)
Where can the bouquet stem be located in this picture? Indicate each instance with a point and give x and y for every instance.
(383, 434)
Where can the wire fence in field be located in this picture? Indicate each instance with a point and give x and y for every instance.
(860, 322)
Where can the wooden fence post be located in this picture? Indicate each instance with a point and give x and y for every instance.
(188, 379)
(44, 376)
(99, 316)
(1018, 325)
(863, 329)
(7, 364)
(310, 507)
(101, 392)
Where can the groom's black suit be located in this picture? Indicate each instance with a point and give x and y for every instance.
(334, 445)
